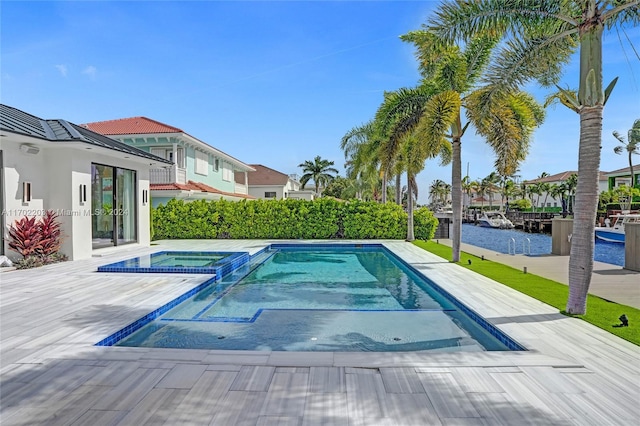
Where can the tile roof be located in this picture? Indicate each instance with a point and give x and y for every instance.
(131, 126)
(17, 121)
(263, 176)
(636, 169)
(195, 186)
(561, 177)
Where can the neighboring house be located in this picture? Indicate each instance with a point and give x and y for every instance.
(198, 170)
(558, 179)
(487, 201)
(266, 182)
(622, 177)
(99, 187)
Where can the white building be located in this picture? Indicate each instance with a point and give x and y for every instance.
(266, 183)
(547, 200)
(99, 187)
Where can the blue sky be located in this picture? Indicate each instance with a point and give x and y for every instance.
(274, 83)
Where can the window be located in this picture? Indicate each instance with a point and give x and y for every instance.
(227, 171)
(167, 154)
(202, 163)
(216, 164)
(269, 195)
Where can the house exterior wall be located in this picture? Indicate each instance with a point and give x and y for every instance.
(614, 181)
(212, 178)
(56, 174)
(258, 191)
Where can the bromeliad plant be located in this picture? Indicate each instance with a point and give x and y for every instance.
(38, 241)
(25, 237)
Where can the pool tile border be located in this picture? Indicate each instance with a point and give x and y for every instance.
(224, 266)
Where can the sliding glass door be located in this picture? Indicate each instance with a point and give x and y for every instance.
(113, 204)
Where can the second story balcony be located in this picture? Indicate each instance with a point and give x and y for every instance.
(170, 174)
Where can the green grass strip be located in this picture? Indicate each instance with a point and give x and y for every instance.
(600, 312)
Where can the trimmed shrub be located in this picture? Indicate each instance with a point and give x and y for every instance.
(324, 218)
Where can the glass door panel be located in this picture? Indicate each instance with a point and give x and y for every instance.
(126, 206)
(102, 205)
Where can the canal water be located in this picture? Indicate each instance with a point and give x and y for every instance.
(505, 240)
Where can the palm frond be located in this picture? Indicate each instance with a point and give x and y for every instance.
(440, 112)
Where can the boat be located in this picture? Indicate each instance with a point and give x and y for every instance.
(614, 233)
(494, 219)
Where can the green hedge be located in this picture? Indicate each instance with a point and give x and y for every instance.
(287, 219)
(618, 206)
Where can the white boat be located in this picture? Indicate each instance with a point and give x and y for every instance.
(614, 233)
(494, 219)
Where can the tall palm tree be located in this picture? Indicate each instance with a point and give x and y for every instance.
(506, 122)
(540, 39)
(318, 170)
(632, 146)
(402, 146)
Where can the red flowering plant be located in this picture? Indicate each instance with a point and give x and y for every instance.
(38, 241)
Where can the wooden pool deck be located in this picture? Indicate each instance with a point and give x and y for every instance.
(50, 372)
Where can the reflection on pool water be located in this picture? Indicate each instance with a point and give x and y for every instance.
(334, 298)
(535, 244)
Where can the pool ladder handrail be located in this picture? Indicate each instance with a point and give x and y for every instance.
(526, 246)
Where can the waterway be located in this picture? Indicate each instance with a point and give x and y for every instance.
(506, 240)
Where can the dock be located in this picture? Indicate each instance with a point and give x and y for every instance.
(531, 221)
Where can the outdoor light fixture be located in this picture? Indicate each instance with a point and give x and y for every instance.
(83, 193)
(29, 149)
(624, 320)
(26, 192)
(145, 197)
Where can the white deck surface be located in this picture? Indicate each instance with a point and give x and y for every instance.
(573, 373)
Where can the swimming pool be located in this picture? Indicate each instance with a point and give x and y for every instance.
(312, 298)
(181, 262)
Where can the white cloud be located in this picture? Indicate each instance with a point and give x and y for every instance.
(63, 69)
(91, 71)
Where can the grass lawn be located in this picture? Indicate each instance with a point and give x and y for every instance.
(600, 312)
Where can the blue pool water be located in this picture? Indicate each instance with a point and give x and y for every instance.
(499, 239)
(296, 298)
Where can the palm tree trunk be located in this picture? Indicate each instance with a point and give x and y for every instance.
(384, 187)
(585, 209)
(399, 189)
(410, 234)
(456, 198)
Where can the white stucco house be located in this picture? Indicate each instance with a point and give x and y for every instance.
(266, 183)
(559, 179)
(99, 187)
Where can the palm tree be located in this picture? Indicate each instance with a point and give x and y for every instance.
(506, 123)
(360, 146)
(632, 147)
(402, 146)
(466, 188)
(544, 188)
(541, 37)
(571, 185)
(319, 170)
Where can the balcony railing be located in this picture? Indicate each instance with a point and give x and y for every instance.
(171, 174)
(241, 189)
